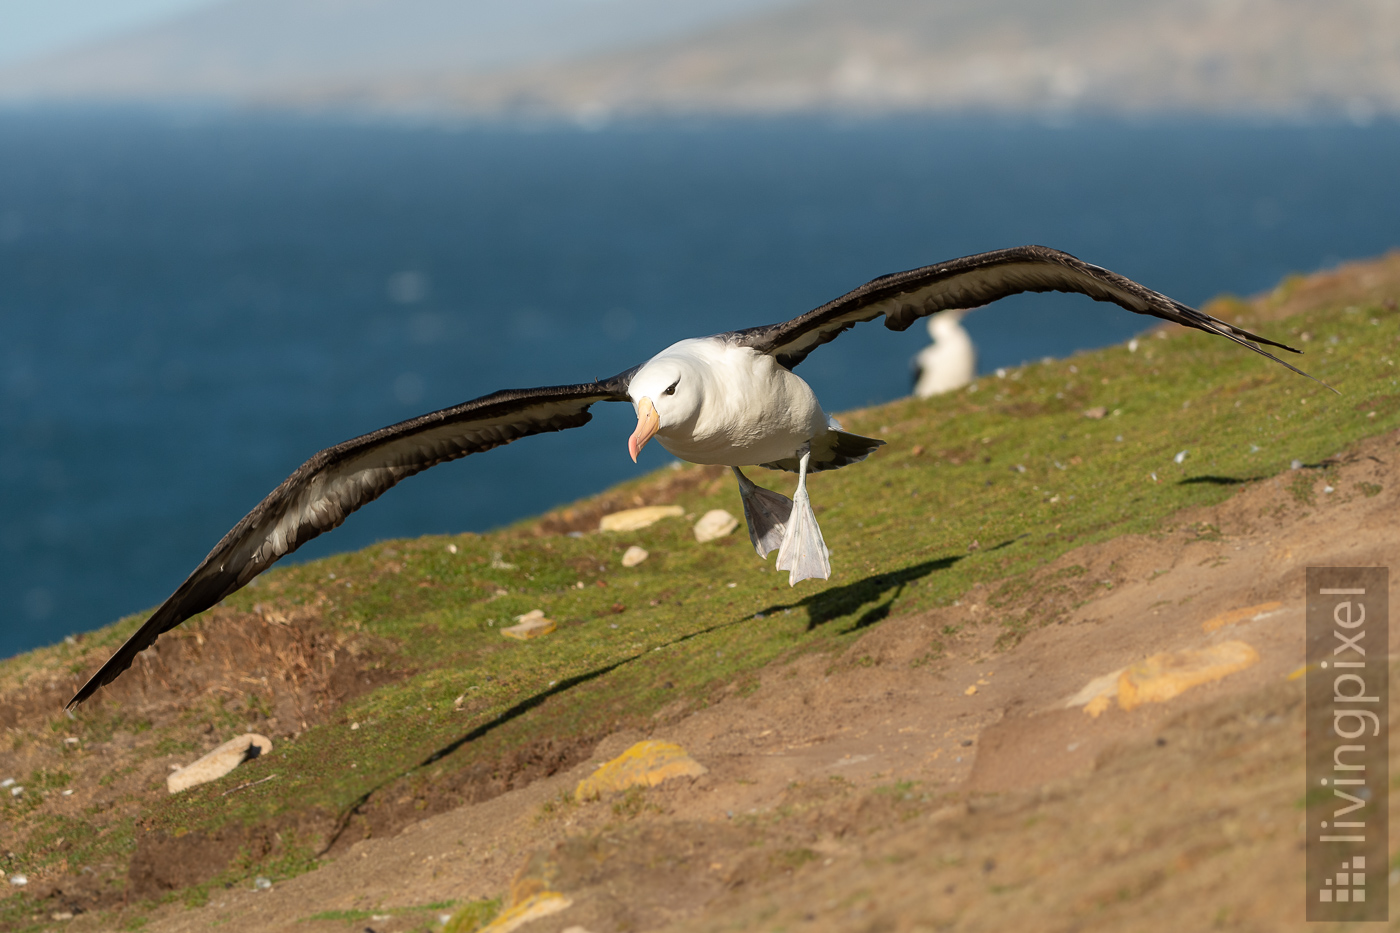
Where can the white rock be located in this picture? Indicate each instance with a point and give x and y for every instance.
(632, 519)
(715, 523)
(634, 556)
(532, 624)
(219, 762)
(19, 880)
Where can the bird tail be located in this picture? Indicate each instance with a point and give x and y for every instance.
(831, 451)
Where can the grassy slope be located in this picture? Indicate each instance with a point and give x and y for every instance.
(976, 487)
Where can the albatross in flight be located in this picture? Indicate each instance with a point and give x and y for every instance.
(730, 399)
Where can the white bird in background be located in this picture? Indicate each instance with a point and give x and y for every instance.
(730, 399)
(950, 362)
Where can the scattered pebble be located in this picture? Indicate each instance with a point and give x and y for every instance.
(8, 782)
(61, 915)
(71, 740)
(261, 884)
(452, 549)
(714, 524)
(16, 791)
(68, 792)
(1296, 465)
(1132, 345)
(1098, 412)
(970, 691)
(1180, 456)
(633, 519)
(354, 726)
(532, 624)
(1328, 489)
(634, 556)
(19, 880)
(219, 762)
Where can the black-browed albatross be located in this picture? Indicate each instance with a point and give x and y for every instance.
(730, 399)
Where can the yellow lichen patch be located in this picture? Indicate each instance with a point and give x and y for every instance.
(645, 764)
(1236, 616)
(632, 519)
(1097, 705)
(1171, 673)
(531, 908)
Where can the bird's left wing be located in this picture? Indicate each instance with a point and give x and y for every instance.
(904, 297)
(340, 479)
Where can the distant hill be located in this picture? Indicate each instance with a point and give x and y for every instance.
(317, 51)
(1272, 57)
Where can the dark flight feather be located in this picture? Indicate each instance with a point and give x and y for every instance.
(340, 479)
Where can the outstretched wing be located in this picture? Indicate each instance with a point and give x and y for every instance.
(904, 297)
(338, 480)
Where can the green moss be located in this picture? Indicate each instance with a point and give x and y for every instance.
(473, 916)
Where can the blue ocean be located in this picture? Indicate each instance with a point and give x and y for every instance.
(192, 306)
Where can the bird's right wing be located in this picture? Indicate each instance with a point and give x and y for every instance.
(340, 479)
(904, 297)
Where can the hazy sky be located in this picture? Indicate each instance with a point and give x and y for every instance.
(34, 27)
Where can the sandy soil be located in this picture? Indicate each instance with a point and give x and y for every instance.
(880, 790)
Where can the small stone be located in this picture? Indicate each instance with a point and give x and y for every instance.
(19, 880)
(8, 782)
(633, 519)
(219, 762)
(634, 556)
(261, 884)
(1098, 412)
(1296, 465)
(532, 624)
(970, 691)
(16, 791)
(1180, 456)
(714, 524)
(452, 549)
(61, 915)
(645, 764)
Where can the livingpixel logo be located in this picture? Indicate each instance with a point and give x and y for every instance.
(1348, 770)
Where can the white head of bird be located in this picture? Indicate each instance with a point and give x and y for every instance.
(666, 394)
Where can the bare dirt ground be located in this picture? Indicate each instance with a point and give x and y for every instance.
(882, 791)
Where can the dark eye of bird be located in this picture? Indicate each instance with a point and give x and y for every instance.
(672, 389)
